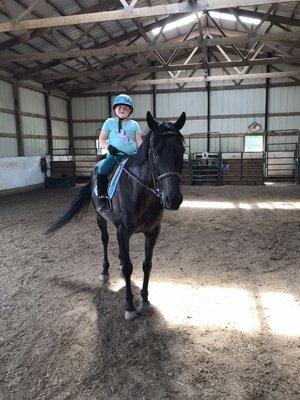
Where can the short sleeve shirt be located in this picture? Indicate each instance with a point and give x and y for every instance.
(125, 140)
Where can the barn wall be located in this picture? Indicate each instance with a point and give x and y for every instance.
(59, 123)
(32, 105)
(231, 110)
(8, 136)
(19, 164)
(89, 114)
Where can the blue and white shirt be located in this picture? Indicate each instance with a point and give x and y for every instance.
(125, 140)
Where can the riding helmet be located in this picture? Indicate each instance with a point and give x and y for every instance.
(123, 100)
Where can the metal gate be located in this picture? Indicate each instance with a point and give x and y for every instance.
(281, 154)
(85, 160)
(205, 158)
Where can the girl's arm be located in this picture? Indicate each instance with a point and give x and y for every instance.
(103, 140)
(138, 139)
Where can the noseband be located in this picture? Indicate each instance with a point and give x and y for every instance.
(155, 177)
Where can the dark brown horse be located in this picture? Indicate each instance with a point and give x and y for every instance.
(149, 184)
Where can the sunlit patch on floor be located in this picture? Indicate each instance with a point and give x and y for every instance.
(265, 205)
(218, 307)
(207, 204)
(227, 205)
(245, 206)
(290, 205)
(282, 313)
(116, 284)
(207, 307)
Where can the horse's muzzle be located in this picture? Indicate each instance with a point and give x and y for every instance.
(172, 202)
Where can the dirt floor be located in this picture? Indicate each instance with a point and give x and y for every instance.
(224, 286)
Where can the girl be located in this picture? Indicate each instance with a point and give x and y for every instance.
(118, 135)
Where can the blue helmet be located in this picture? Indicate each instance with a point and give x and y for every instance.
(123, 99)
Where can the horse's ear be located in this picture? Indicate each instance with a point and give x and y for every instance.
(180, 122)
(152, 123)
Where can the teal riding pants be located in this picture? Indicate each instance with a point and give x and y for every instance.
(107, 165)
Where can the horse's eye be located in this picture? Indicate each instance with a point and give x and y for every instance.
(155, 154)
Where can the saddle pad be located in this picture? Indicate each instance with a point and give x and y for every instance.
(115, 179)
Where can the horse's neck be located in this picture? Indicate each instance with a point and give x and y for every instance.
(143, 175)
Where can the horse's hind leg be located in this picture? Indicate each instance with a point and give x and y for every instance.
(123, 241)
(150, 241)
(102, 223)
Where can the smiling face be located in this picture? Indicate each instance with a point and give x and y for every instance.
(123, 111)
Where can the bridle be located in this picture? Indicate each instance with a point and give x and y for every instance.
(156, 178)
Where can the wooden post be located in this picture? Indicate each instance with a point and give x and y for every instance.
(70, 127)
(18, 119)
(49, 125)
(109, 105)
(154, 95)
(208, 103)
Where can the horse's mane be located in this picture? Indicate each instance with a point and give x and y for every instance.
(142, 154)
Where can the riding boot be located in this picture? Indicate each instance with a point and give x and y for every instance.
(104, 200)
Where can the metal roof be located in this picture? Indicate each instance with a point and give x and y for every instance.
(280, 18)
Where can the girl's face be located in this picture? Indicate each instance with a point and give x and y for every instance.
(122, 111)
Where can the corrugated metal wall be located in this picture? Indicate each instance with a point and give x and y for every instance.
(32, 105)
(59, 122)
(32, 120)
(8, 136)
(286, 102)
(88, 114)
(232, 110)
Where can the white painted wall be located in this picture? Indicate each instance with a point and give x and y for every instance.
(17, 172)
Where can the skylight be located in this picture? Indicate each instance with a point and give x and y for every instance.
(176, 24)
(192, 18)
(230, 17)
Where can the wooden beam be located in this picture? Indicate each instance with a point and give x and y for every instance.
(271, 17)
(129, 13)
(49, 124)
(110, 42)
(28, 10)
(293, 37)
(177, 67)
(18, 119)
(70, 127)
(6, 9)
(198, 79)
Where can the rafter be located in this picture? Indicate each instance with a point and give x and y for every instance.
(215, 78)
(28, 10)
(6, 9)
(116, 40)
(176, 67)
(292, 37)
(271, 18)
(168, 9)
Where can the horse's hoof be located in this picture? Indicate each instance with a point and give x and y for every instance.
(103, 278)
(130, 315)
(145, 309)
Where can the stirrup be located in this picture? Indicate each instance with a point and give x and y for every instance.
(104, 204)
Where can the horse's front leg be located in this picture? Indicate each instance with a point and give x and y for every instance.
(123, 241)
(150, 241)
(102, 223)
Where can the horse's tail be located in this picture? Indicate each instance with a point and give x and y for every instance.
(79, 204)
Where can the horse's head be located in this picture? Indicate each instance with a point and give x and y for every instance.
(166, 151)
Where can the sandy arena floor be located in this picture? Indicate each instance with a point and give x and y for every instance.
(225, 286)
